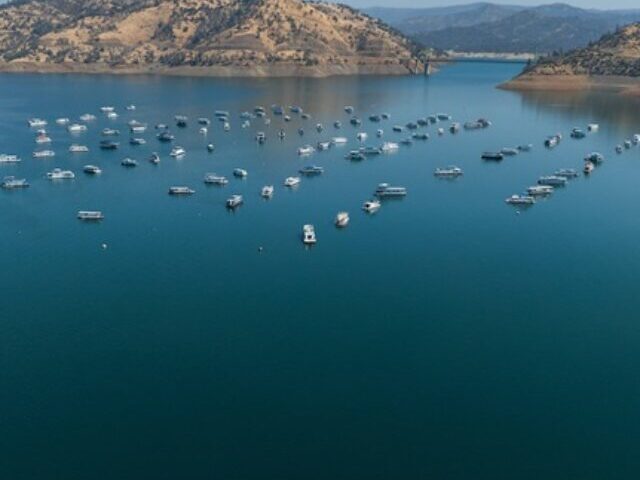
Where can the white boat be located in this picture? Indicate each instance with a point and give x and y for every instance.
(59, 174)
(567, 173)
(520, 200)
(342, 219)
(110, 132)
(451, 171)
(386, 190)
(154, 158)
(90, 215)
(234, 201)
(129, 162)
(213, 179)
(389, 147)
(75, 148)
(371, 206)
(43, 153)
(552, 180)
(291, 181)
(306, 150)
(13, 182)
(595, 158)
(178, 152)
(593, 127)
(311, 170)
(87, 117)
(379, 133)
(138, 128)
(552, 141)
(349, 109)
(4, 158)
(588, 167)
(77, 128)
(130, 108)
(62, 121)
(539, 190)
(181, 190)
(267, 191)
(107, 109)
(324, 145)
(339, 140)
(92, 170)
(203, 130)
(37, 122)
(112, 115)
(226, 126)
(509, 151)
(361, 136)
(308, 234)
(240, 172)
(42, 138)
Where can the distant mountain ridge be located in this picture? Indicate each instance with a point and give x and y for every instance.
(486, 27)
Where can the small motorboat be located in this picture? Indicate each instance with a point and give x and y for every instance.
(181, 190)
(342, 219)
(448, 172)
(306, 150)
(308, 235)
(59, 174)
(540, 190)
(129, 162)
(213, 179)
(310, 170)
(92, 170)
(371, 206)
(90, 215)
(492, 156)
(552, 180)
(12, 182)
(291, 181)
(234, 201)
(178, 152)
(520, 200)
(588, 168)
(267, 191)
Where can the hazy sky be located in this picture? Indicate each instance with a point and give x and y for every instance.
(600, 4)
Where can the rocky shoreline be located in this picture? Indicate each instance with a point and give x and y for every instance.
(259, 71)
(618, 84)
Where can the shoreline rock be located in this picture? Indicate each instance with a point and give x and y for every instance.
(536, 82)
(258, 71)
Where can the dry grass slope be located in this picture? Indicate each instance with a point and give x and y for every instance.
(260, 37)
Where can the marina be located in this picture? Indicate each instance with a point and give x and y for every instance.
(441, 302)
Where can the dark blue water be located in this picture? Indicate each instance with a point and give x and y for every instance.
(446, 337)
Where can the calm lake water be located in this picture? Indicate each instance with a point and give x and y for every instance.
(446, 337)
